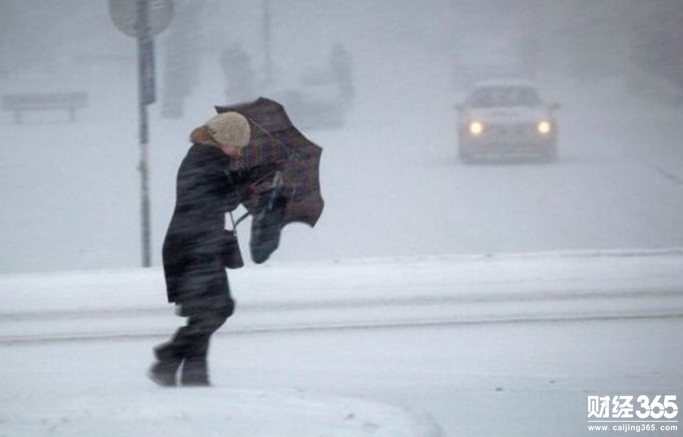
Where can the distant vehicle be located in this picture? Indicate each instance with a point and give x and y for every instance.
(318, 103)
(506, 118)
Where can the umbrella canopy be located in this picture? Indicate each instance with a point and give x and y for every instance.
(292, 194)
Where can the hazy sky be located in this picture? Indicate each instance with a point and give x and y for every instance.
(70, 191)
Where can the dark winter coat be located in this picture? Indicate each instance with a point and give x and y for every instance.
(195, 242)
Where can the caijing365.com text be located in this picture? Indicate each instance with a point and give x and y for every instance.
(627, 427)
(632, 414)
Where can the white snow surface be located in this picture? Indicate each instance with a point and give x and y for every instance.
(338, 348)
(495, 298)
(358, 293)
(210, 412)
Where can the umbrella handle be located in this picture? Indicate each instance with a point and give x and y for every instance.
(277, 180)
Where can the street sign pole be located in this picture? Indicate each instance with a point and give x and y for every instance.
(145, 97)
(143, 19)
(267, 41)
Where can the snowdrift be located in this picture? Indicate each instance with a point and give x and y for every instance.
(213, 412)
(357, 294)
(50, 321)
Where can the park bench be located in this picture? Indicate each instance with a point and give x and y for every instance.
(19, 103)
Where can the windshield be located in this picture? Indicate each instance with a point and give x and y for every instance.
(504, 96)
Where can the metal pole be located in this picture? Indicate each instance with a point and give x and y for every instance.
(267, 41)
(143, 42)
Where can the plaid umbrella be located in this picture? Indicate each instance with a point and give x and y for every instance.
(290, 194)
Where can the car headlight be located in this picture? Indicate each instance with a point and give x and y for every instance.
(476, 127)
(544, 127)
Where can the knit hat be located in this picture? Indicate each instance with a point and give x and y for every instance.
(230, 128)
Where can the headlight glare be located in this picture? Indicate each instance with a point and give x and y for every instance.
(544, 127)
(476, 127)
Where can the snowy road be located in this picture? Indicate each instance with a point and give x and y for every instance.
(356, 294)
(486, 380)
(486, 345)
(618, 184)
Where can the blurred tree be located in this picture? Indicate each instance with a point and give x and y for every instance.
(341, 66)
(181, 57)
(583, 39)
(657, 44)
(238, 73)
(4, 38)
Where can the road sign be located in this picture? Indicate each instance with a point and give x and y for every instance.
(124, 15)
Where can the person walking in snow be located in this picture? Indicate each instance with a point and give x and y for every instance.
(195, 246)
(239, 76)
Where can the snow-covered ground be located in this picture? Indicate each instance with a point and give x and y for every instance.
(373, 292)
(493, 298)
(146, 411)
(469, 345)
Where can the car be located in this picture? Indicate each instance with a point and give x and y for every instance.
(506, 118)
(317, 102)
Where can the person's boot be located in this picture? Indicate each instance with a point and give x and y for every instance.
(195, 373)
(163, 372)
